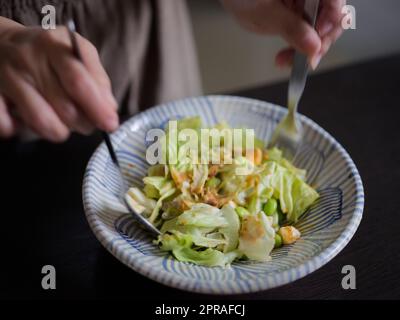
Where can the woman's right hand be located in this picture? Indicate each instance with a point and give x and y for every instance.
(45, 88)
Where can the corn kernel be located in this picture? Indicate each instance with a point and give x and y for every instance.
(289, 234)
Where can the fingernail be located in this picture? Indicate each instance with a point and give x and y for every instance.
(325, 29)
(112, 123)
(315, 61)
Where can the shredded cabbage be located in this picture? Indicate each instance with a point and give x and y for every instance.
(257, 237)
(212, 214)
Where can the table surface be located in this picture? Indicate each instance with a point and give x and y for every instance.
(43, 221)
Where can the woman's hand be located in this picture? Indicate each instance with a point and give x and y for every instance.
(284, 18)
(44, 87)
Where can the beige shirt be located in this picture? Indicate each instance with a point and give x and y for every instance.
(146, 46)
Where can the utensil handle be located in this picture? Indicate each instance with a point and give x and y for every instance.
(110, 148)
(74, 43)
(77, 53)
(311, 11)
(300, 62)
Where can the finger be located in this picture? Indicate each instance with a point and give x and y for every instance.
(7, 125)
(329, 17)
(91, 60)
(80, 86)
(285, 57)
(32, 108)
(329, 40)
(64, 106)
(296, 31)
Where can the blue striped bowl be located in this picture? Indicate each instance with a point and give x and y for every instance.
(326, 227)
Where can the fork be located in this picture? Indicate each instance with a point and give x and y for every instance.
(289, 132)
(139, 218)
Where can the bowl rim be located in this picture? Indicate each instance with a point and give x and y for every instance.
(194, 285)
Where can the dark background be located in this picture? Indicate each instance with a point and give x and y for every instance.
(42, 219)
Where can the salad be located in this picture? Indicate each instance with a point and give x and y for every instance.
(210, 215)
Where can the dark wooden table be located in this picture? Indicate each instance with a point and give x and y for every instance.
(42, 219)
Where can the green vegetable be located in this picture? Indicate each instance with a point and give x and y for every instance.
(157, 170)
(254, 244)
(231, 231)
(256, 198)
(303, 197)
(242, 212)
(151, 191)
(202, 215)
(275, 154)
(254, 205)
(270, 207)
(300, 173)
(174, 241)
(265, 193)
(160, 184)
(177, 153)
(181, 246)
(139, 202)
(189, 123)
(258, 143)
(213, 182)
(209, 257)
(294, 195)
(200, 174)
(156, 210)
(278, 241)
(200, 236)
(204, 238)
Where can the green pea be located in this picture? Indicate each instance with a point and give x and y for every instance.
(213, 182)
(278, 241)
(270, 207)
(242, 212)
